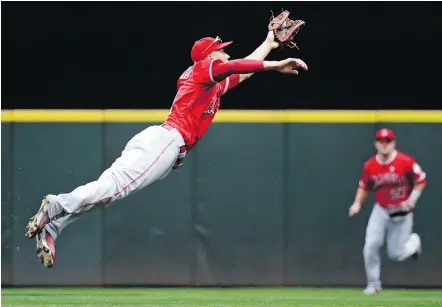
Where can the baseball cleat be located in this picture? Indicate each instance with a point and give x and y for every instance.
(418, 252)
(371, 290)
(45, 248)
(38, 221)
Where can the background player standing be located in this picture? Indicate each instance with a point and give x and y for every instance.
(397, 181)
(151, 154)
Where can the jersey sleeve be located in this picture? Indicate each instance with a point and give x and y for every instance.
(203, 71)
(229, 83)
(364, 181)
(213, 70)
(419, 176)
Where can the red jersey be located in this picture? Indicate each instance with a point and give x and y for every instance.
(198, 100)
(393, 180)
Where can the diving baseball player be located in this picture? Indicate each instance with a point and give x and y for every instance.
(397, 181)
(151, 154)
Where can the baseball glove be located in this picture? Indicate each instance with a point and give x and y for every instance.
(285, 29)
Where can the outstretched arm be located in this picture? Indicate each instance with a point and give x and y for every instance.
(220, 70)
(261, 52)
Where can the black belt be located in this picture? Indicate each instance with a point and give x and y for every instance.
(399, 213)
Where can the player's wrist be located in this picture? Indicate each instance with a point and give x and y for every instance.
(415, 194)
(270, 44)
(270, 65)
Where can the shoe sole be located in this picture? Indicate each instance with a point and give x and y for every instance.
(36, 223)
(44, 253)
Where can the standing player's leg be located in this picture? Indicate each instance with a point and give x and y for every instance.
(374, 240)
(401, 243)
(149, 156)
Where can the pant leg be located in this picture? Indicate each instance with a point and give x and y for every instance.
(374, 240)
(148, 157)
(400, 243)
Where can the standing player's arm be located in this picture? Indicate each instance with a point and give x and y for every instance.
(361, 193)
(420, 179)
(361, 196)
(416, 193)
(417, 190)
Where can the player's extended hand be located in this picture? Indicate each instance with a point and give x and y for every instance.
(290, 65)
(354, 209)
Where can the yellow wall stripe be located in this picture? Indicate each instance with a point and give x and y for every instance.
(232, 116)
(52, 116)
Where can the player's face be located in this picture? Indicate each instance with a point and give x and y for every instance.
(385, 146)
(221, 55)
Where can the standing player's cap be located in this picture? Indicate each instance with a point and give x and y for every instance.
(205, 46)
(385, 134)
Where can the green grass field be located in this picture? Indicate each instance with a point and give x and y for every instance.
(222, 297)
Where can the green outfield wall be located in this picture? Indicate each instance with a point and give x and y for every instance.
(262, 200)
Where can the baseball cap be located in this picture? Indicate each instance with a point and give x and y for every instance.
(385, 134)
(205, 46)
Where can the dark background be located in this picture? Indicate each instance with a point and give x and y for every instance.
(364, 55)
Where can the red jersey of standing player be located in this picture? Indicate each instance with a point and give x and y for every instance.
(391, 180)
